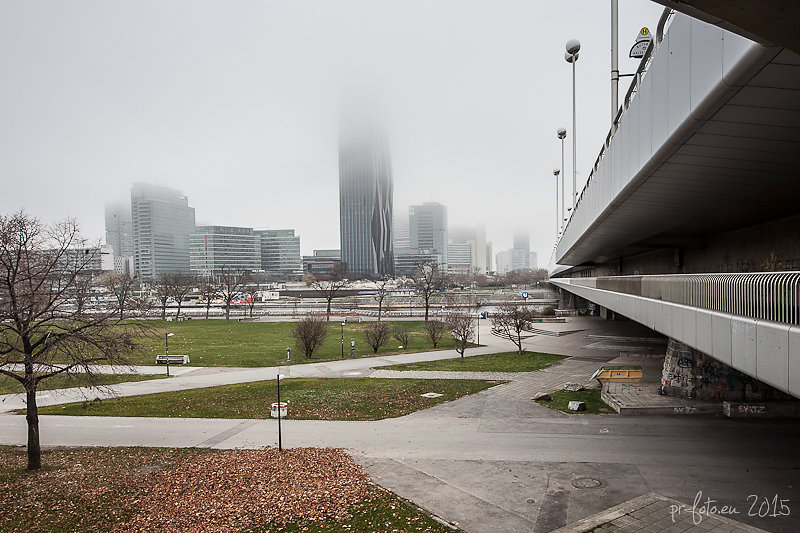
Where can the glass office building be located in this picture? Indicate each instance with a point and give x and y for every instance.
(280, 253)
(365, 204)
(162, 222)
(216, 247)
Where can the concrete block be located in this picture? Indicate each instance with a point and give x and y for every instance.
(721, 335)
(794, 360)
(772, 351)
(576, 406)
(703, 331)
(743, 345)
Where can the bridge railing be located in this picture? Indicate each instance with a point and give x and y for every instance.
(771, 296)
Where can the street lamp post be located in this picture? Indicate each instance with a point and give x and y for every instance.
(571, 56)
(562, 133)
(280, 444)
(556, 172)
(166, 349)
(342, 340)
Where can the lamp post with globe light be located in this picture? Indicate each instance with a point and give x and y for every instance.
(571, 56)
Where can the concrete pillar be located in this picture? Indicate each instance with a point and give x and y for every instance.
(688, 373)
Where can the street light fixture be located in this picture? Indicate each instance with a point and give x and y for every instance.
(342, 339)
(280, 444)
(571, 56)
(556, 172)
(562, 133)
(166, 348)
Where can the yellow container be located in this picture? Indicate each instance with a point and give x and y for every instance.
(618, 374)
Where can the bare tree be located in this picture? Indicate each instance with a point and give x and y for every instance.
(462, 329)
(436, 330)
(182, 284)
(309, 334)
(121, 286)
(251, 298)
(377, 334)
(329, 287)
(40, 337)
(509, 320)
(163, 288)
(401, 333)
(381, 290)
(428, 280)
(231, 286)
(210, 289)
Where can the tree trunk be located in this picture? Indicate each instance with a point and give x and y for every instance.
(227, 311)
(328, 317)
(164, 311)
(208, 307)
(32, 416)
(177, 316)
(380, 307)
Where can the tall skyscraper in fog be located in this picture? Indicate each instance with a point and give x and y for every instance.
(162, 222)
(119, 234)
(520, 254)
(365, 200)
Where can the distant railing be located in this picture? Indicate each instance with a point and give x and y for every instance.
(771, 296)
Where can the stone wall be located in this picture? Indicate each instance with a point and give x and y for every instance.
(688, 373)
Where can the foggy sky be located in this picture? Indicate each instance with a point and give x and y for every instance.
(236, 105)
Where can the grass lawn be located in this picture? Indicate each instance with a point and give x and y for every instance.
(129, 489)
(309, 399)
(253, 344)
(11, 386)
(497, 362)
(594, 403)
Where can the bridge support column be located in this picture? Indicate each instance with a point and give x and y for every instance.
(688, 373)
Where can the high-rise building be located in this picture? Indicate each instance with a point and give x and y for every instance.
(213, 248)
(119, 228)
(365, 202)
(427, 229)
(520, 254)
(489, 257)
(503, 262)
(280, 253)
(162, 222)
(459, 258)
(119, 235)
(400, 229)
(475, 237)
(533, 262)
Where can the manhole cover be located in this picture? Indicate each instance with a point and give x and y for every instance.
(587, 483)
(530, 500)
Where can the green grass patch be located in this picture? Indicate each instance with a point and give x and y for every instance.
(382, 513)
(214, 342)
(63, 381)
(309, 399)
(497, 362)
(594, 403)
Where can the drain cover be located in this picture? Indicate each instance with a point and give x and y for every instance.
(587, 483)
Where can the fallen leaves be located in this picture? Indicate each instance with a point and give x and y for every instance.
(230, 491)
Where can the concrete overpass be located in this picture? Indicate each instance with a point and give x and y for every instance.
(690, 221)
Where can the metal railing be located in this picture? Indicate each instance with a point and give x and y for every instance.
(771, 296)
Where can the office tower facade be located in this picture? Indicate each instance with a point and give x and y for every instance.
(119, 228)
(520, 254)
(400, 229)
(280, 253)
(408, 260)
(459, 258)
(427, 229)
(489, 256)
(162, 222)
(475, 237)
(213, 248)
(365, 202)
(533, 262)
(503, 260)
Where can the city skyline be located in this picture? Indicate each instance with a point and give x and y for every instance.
(239, 108)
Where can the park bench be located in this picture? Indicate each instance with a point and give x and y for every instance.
(248, 319)
(173, 359)
(352, 319)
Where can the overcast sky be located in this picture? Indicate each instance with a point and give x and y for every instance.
(235, 104)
